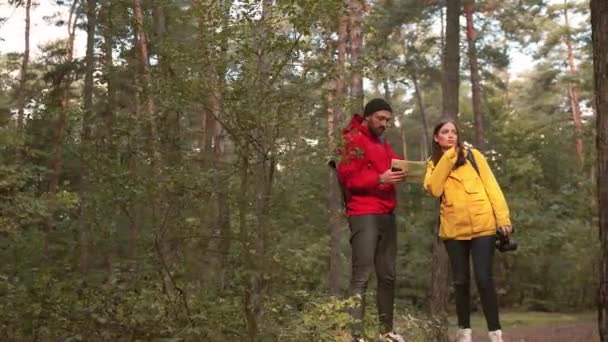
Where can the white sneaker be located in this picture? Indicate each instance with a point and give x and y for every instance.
(391, 337)
(464, 335)
(495, 336)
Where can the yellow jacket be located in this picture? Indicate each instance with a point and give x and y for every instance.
(472, 204)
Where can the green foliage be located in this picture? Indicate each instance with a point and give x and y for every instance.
(209, 238)
(321, 319)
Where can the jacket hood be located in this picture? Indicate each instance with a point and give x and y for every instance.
(357, 123)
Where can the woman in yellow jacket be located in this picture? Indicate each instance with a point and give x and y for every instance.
(472, 208)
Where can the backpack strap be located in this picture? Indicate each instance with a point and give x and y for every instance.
(471, 159)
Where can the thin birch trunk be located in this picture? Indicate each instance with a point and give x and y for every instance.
(469, 8)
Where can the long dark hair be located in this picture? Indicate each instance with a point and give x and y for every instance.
(438, 152)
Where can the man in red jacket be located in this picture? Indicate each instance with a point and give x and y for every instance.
(365, 174)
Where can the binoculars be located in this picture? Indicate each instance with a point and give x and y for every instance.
(504, 243)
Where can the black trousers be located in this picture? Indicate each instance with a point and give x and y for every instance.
(374, 246)
(482, 251)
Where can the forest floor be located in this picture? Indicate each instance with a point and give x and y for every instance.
(541, 327)
(520, 327)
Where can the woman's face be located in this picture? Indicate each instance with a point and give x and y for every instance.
(447, 136)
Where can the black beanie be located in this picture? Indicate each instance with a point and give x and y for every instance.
(376, 105)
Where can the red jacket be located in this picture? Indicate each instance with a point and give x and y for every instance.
(364, 158)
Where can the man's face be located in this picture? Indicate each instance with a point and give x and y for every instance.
(378, 122)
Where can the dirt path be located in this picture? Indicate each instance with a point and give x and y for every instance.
(563, 332)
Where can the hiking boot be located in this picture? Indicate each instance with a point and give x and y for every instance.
(495, 336)
(464, 335)
(391, 337)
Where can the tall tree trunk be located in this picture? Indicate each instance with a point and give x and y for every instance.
(387, 89)
(211, 151)
(420, 101)
(439, 285)
(334, 200)
(341, 69)
(223, 215)
(86, 131)
(507, 82)
(60, 122)
(64, 83)
(599, 29)
(403, 135)
(104, 134)
(250, 294)
(442, 20)
(210, 128)
(451, 60)
(573, 90)
(335, 103)
(170, 135)
(211, 156)
(108, 44)
(22, 92)
(89, 68)
(145, 114)
(264, 60)
(257, 285)
(210, 108)
(160, 20)
(142, 49)
(413, 73)
(451, 63)
(355, 8)
(264, 177)
(213, 139)
(469, 7)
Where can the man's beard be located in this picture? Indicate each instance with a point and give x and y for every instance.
(378, 132)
